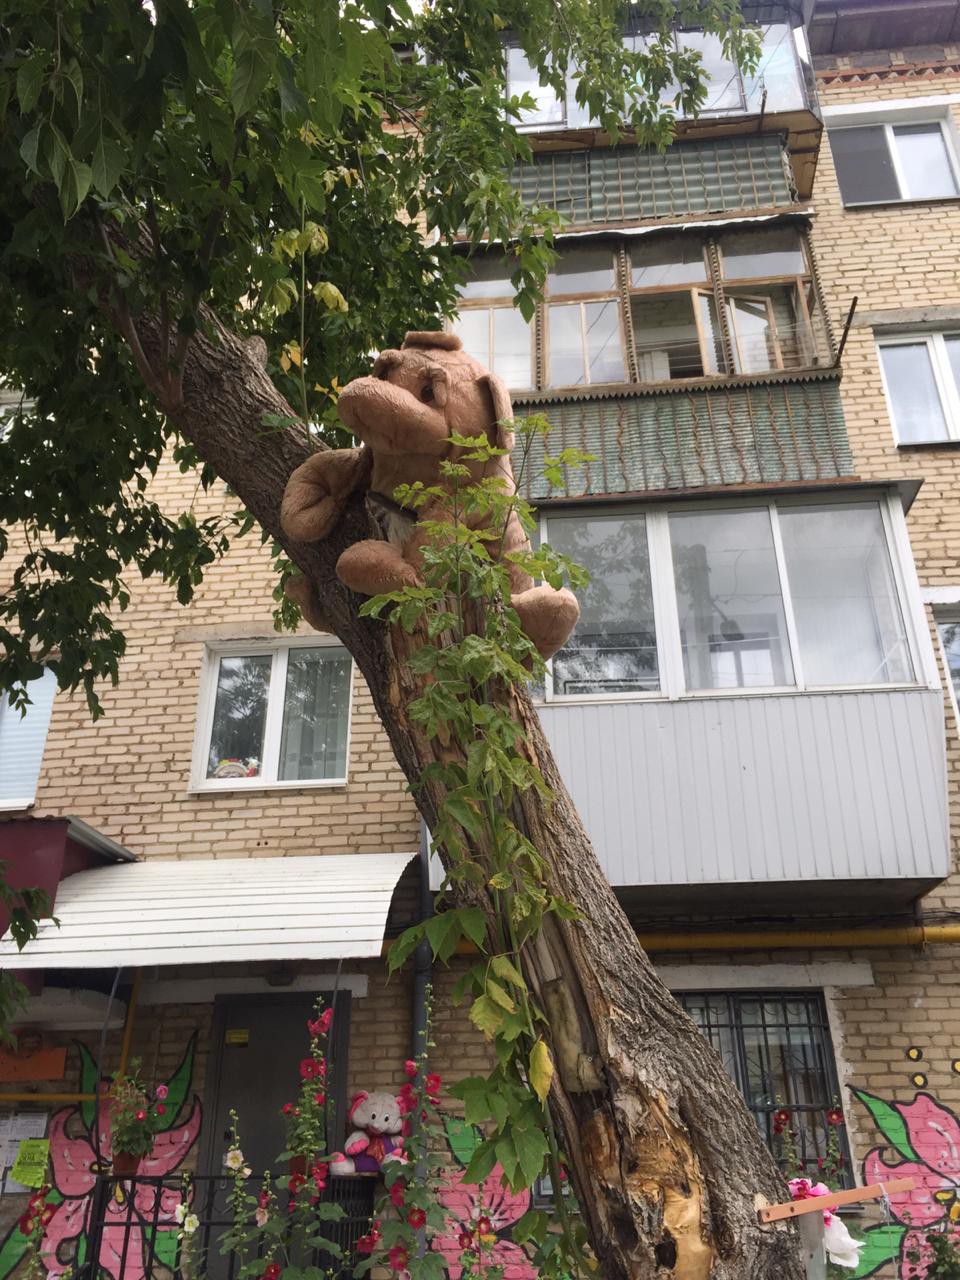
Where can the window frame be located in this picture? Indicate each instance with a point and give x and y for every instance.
(735, 999)
(502, 303)
(666, 612)
(946, 384)
(273, 721)
(890, 115)
(16, 803)
(613, 293)
(946, 616)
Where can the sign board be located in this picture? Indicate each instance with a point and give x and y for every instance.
(30, 1166)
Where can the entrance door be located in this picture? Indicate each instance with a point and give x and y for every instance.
(258, 1044)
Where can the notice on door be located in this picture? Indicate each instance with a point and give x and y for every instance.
(238, 1037)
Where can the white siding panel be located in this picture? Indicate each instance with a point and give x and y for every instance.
(234, 909)
(834, 786)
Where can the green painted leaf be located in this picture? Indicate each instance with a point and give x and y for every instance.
(88, 1083)
(463, 1138)
(881, 1248)
(889, 1121)
(12, 1249)
(178, 1086)
(166, 1244)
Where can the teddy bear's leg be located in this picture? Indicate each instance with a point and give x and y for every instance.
(547, 616)
(302, 592)
(371, 567)
(317, 492)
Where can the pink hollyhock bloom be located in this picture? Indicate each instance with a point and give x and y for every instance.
(75, 1168)
(464, 1204)
(934, 1134)
(410, 1068)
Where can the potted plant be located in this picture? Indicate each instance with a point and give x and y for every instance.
(134, 1120)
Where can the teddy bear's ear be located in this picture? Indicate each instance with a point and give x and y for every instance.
(501, 435)
(356, 1101)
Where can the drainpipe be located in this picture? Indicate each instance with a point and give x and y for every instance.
(422, 962)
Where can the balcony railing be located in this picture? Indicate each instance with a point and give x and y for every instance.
(131, 1232)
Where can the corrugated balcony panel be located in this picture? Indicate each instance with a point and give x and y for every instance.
(773, 433)
(760, 790)
(631, 184)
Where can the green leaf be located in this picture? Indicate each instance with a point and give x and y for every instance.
(541, 1069)
(486, 1016)
(882, 1245)
(178, 1086)
(499, 996)
(474, 925)
(532, 1149)
(30, 148)
(89, 1076)
(73, 186)
(463, 1138)
(106, 165)
(890, 1123)
(404, 946)
(504, 968)
(30, 80)
(249, 78)
(481, 1164)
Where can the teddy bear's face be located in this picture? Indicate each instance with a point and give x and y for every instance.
(378, 1113)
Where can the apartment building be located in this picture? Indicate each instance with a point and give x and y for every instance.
(755, 715)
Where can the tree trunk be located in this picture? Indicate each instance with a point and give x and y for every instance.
(668, 1163)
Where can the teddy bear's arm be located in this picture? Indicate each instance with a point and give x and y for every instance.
(317, 492)
(357, 1142)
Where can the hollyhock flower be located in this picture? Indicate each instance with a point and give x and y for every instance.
(263, 1199)
(160, 1109)
(297, 1180)
(261, 1215)
(141, 1115)
(397, 1193)
(233, 1159)
(26, 1225)
(180, 1212)
(399, 1257)
(162, 1092)
(366, 1244)
(319, 1099)
(840, 1244)
(406, 1100)
(835, 1116)
(272, 1270)
(484, 1226)
(433, 1084)
(288, 1108)
(309, 1069)
(128, 1224)
(416, 1218)
(464, 1202)
(321, 1025)
(190, 1223)
(410, 1068)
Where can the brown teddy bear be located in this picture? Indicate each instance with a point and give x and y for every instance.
(404, 415)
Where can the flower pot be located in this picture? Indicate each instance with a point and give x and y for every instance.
(125, 1164)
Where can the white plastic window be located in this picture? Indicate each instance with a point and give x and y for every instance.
(921, 375)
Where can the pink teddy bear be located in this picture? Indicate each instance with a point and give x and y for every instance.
(378, 1121)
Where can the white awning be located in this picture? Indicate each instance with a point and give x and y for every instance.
(235, 910)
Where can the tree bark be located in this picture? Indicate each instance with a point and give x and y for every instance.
(668, 1163)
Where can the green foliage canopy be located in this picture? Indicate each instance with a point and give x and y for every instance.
(300, 168)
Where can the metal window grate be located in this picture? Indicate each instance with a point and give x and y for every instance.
(777, 1048)
(770, 433)
(630, 184)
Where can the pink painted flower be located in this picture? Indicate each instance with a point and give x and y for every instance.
(933, 1135)
(162, 1092)
(75, 1167)
(466, 1206)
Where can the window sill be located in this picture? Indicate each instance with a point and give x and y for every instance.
(708, 695)
(232, 787)
(908, 446)
(869, 206)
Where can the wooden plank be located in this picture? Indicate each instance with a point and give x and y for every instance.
(796, 1208)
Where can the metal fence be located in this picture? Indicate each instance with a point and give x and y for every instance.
(132, 1232)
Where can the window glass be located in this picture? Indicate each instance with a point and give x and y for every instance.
(473, 328)
(849, 626)
(922, 153)
(720, 73)
(313, 741)
(732, 627)
(239, 716)
(565, 337)
(950, 639)
(489, 278)
(912, 389)
(767, 330)
(864, 167)
(601, 322)
(521, 79)
(22, 740)
(952, 344)
(666, 336)
(777, 1048)
(582, 271)
(614, 647)
(512, 357)
(748, 254)
(778, 74)
(665, 260)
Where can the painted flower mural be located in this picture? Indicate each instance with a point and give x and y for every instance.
(129, 1221)
(921, 1141)
(480, 1217)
